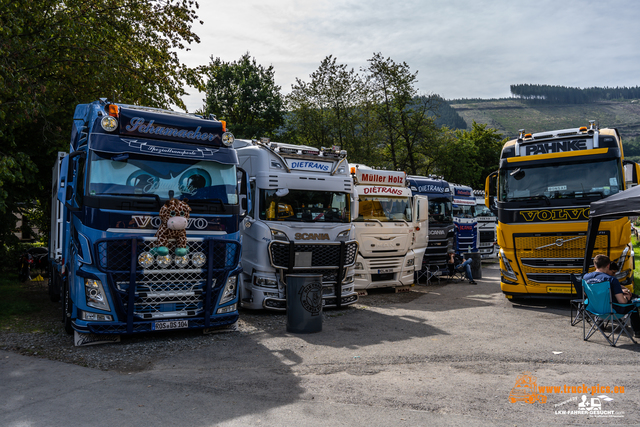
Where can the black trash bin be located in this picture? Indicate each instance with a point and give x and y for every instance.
(304, 303)
(476, 265)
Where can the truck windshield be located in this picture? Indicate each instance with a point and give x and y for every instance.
(134, 174)
(567, 180)
(482, 210)
(440, 211)
(305, 206)
(464, 211)
(384, 209)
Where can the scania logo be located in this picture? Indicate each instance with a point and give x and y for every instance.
(312, 236)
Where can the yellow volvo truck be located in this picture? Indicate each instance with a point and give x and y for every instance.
(545, 184)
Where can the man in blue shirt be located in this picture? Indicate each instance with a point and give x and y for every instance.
(619, 293)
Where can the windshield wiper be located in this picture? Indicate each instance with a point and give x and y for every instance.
(374, 220)
(527, 198)
(589, 193)
(155, 196)
(201, 202)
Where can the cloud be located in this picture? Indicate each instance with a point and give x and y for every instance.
(460, 48)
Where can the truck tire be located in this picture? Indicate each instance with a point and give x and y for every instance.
(54, 287)
(67, 309)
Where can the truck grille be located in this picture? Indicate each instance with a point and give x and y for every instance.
(167, 291)
(486, 236)
(546, 259)
(323, 255)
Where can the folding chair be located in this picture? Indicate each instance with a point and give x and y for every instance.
(433, 274)
(599, 312)
(577, 304)
(456, 275)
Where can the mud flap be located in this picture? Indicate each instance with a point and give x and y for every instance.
(83, 340)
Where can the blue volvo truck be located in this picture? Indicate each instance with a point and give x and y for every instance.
(466, 224)
(110, 271)
(441, 229)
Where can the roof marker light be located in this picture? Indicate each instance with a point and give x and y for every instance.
(114, 110)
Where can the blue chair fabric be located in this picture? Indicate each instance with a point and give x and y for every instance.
(599, 312)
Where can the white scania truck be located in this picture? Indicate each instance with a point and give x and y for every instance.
(391, 229)
(299, 222)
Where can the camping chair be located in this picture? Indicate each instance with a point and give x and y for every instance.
(577, 304)
(455, 274)
(599, 312)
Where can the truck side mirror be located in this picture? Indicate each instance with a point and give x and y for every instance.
(631, 168)
(242, 192)
(490, 196)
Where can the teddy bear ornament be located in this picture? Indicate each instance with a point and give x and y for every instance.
(172, 233)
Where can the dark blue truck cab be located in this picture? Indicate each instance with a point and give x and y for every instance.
(441, 229)
(124, 163)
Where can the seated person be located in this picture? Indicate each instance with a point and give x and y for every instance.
(457, 262)
(619, 294)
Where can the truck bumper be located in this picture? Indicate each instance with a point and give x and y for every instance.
(370, 277)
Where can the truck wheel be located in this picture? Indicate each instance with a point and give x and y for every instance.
(54, 288)
(67, 309)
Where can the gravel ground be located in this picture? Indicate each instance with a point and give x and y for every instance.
(42, 335)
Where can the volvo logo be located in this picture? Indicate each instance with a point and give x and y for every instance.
(559, 242)
(312, 236)
(144, 221)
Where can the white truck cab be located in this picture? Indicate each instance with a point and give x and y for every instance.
(299, 222)
(391, 228)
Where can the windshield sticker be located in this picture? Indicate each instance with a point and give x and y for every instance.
(557, 188)
(613, 181)
(307, 165)
(143, 147)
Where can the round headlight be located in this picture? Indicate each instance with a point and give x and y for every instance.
(227, 138)
(163, 260)
(145, 260)
(198, 259)
(109, 123)
(181, 261)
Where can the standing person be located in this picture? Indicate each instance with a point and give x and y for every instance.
(619, 294)
(459, 262)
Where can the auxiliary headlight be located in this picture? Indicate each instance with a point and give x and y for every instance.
(95, 295)
(109, 123)
(163, 261)
(229, 292)
(411, 262)
(145, 260)
(181, 261)
(198, 259)
(227, 139)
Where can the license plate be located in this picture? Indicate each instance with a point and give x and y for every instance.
(385, 270)
(173, 324)
(558, 290)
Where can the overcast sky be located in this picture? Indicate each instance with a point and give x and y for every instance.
(460, 48)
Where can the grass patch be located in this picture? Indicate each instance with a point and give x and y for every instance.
(23, 306)
(636, 259)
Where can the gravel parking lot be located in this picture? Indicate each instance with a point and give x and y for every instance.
(448, 354)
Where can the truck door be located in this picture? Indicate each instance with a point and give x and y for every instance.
(421, 227)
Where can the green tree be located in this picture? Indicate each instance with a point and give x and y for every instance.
(245, 95)
(468, 157)
(406, 119)
(55, 54)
